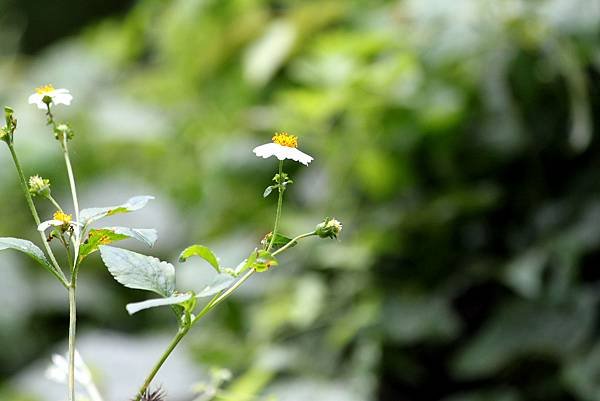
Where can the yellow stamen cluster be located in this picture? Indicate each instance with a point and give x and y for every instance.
(285, 139)
(61, 216)
(42, 90)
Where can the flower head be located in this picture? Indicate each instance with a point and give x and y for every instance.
(46, 95)
(329, 228)
(284, 146)
(59, 219)
(39, 186)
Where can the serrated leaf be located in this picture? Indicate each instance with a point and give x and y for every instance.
(201, 251)
(146, 235)
(87, 216)
(135, 307)
(134, 270)
(219, 283)
(27, 247)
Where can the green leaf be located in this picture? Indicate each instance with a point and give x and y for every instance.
(280, 241)
(146, 235)
(264, 261)
(97, 238)
(87, 216)
(247, 263)
(108, 235)
(202, 251)
(268, 190)
(135, 307)
(26, 247)
(219, 283)
(138, 271)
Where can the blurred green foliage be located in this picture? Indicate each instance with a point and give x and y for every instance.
(456, 141)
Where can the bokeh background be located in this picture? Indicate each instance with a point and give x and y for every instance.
(456, 140)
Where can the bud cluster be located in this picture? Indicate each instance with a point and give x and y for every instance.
(329, 228)
(39, 186)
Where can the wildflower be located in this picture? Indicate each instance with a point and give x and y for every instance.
(284, 146)
(59, 219)
(46, 95)
(39, 186)
(59, 370)
(329, 228)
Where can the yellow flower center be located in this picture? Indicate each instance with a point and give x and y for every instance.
(60, 216)
(42, 90)
(285, 139)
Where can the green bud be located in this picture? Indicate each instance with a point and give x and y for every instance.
(7, 132)
(39, 186)
(63, 131)
(329, 228)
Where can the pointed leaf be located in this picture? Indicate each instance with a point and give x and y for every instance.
(87, 216)
(268, 190)
(108, 235)
(219, 283)
(138, 271)
(153, 303)
(202, 251)
(280, 241)
(26, 247)
(146, 235)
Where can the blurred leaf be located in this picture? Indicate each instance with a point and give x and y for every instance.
(525, 328)
(135, 307)
(219, 283)
(203, 252)
(134, 270)
(419, 318)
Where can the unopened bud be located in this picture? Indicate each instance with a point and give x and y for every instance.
(329, 228)
(39, 186)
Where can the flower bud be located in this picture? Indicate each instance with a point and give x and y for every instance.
(39, 186)
(63, 131)
(329, 228)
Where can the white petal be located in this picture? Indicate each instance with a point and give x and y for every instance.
(62, 98)
(48, 223)
(59, 91)
(34, 98)
(300, 156)
(266, 150)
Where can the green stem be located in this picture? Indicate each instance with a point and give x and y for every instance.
(291, 243)
(72, 330)
(178, 337)
(280, 188)
(54, 202)
(74, 270)
(55, 268)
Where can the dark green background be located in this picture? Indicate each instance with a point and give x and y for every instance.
(457, 142)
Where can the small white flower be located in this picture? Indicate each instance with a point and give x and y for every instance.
(284, 146)
(58, 371)
(59, 219)
(47, 94)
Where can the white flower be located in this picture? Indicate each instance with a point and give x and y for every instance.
(48, 95)
(59, 219)
(284, 146)
(59, 370)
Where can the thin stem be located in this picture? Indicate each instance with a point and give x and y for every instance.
(54, 202)
(281, 189)
(291, 243)
(72, 329)
(55, 268)
(74, 269)
(178, 337)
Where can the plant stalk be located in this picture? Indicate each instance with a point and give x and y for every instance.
(280, 189)
(72, 330)
(56, 271)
